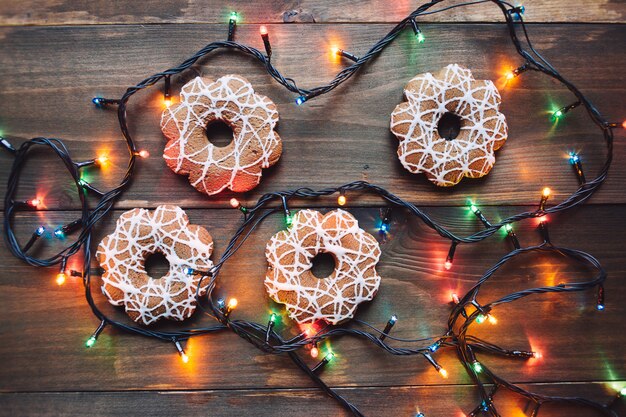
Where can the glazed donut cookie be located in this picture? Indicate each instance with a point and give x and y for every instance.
(289, 279)
(122, 255)
(252, 118)
(438, 107)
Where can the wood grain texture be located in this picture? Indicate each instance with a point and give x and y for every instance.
(53, 322)
(397, 401)
(65, 12)
(51, 74)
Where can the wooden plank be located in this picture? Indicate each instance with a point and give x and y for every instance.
(44, 326)
(395, 401)
(45, 12)
(51, 74)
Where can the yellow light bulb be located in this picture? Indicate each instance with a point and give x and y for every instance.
(443, 372)
(232, 303)
(102, 160)
(60, 278)
(341, 200)
(492, 319)
(184, 357)
(546, 192)
(334, 50)
(167, 102)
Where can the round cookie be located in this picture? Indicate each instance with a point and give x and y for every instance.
(252, 118)
(289, 279)
(122, 255)
(452, 94)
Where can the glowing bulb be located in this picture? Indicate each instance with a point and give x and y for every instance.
(167, 102)
(184, 357)
(335, 50)
(546, 192)
(624, 124)
(455, 298)
(341, 200)
(59, 234)
(623, 390)
(300, 100)
(314, 352)
(263, 30)
(384, 227)
(289, 220)
(273, 317)
(478, 368)
(102, 160)
(234, 203)
(492, 319)
(35, 202)
(420, 37)
(443, 372)
(234, 16)
(600, 307)
(510, 75)
(447, 265)
(232, 303)
(508, 227)
(480, 319)
(143, 153)
(60, 278)
(40, 230)
(537, 355)
(473, 208)
(90, 342)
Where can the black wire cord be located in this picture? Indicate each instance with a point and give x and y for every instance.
(266, 338)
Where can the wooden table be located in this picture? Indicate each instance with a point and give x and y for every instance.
(55, 56)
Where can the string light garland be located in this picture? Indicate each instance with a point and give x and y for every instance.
(465, 311)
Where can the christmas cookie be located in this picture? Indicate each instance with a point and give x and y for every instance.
(122, 255)
(289, 279)
(252, 118)
(450, 126)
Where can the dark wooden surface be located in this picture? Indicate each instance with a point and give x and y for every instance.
(74, 51)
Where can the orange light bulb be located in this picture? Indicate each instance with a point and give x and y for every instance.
(624, 124)
(60, 278)
(546, 192)
(447, 265)
(232, 303)
(492, 319)
(443, 372)
(102, 160)
(263, 30)
(341, 200)
(334, 50)
(167, 102)
(35, 202)
(184, 357)
(510, 75)
(143, 153)
(234, 203)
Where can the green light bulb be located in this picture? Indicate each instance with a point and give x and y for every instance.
(478, 368)
(234, 16)
(90, 342)
(420, 37)
(289, 220)
(273, 318)
(508, 227)
(480, 319)
(473, 208)
(623, 392)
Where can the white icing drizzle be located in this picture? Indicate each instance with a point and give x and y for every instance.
(483, 128)
(122, 255)
(236, 165)
(290, 252)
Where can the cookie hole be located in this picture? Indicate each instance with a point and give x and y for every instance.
(219, 134)
(157, 265)
(449, 126)
(323, 265)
